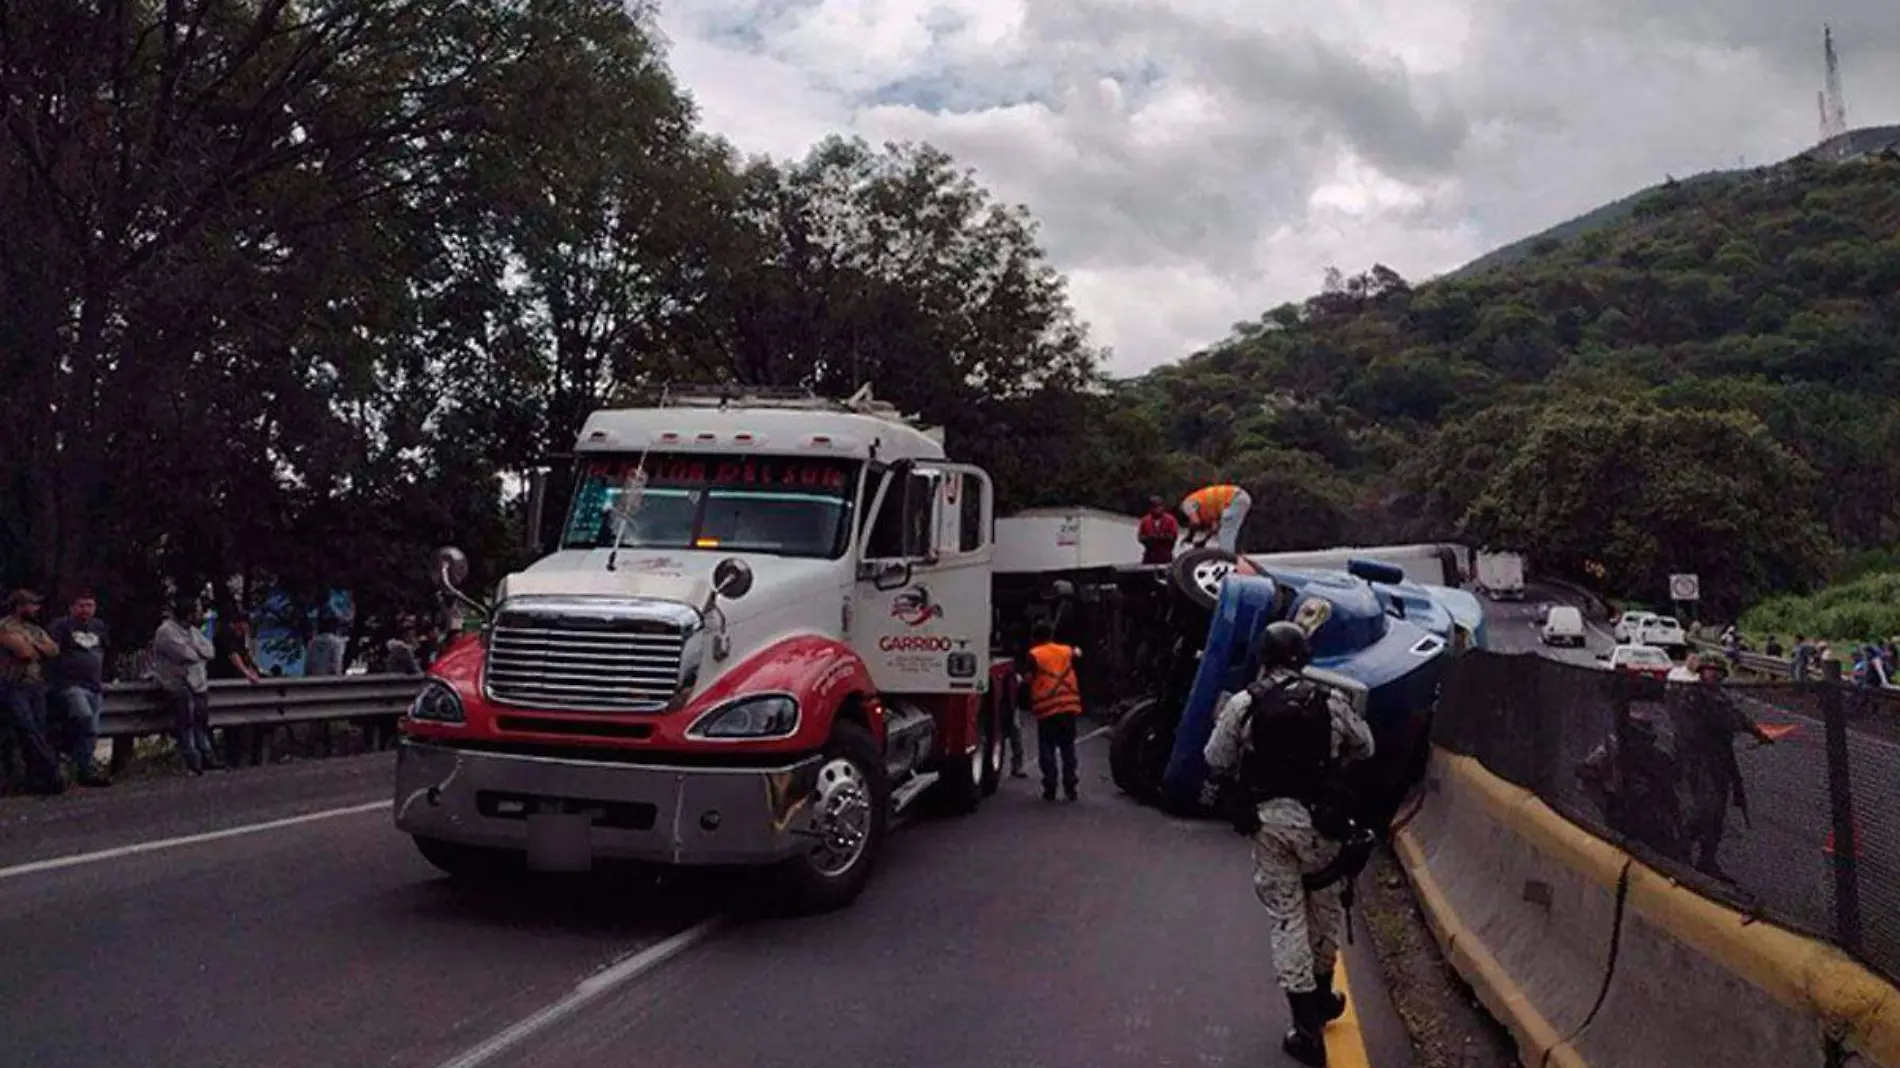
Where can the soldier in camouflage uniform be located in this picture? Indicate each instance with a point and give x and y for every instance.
(1284, 788)
(1707, 723)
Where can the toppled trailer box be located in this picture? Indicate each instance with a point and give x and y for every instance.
(1046, 541)
(1079, 568)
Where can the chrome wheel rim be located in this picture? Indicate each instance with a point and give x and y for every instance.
(841, 817)
(1209, 574)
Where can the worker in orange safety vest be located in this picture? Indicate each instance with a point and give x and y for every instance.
(1218, 511)
(1055, 700)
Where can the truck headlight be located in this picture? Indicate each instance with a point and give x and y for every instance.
(437, 703)
(767, 716)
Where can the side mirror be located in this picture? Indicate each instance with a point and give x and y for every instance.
(537, 504)
(893, 575)
(451, 568)
(732, 578)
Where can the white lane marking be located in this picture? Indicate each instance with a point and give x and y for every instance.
(76, 859)
(587, 990)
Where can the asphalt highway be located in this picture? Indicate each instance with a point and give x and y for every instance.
(274, 917)
(1778, 856)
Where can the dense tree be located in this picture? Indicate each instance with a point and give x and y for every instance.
(1648, 492)
(293, 292)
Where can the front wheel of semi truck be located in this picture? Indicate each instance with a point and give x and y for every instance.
(850, 815)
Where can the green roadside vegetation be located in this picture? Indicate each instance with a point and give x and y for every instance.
(1865, 608)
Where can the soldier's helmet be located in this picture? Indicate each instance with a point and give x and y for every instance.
(1285, 645)
(1711, 669)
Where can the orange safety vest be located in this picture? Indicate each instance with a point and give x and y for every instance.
(1053, 690)
(1212, 501)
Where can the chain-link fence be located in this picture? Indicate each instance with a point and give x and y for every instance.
(1781, 799)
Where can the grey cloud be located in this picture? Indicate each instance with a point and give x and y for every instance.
(1400, 124)
(1289, 105)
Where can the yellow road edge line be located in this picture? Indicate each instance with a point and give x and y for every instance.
(1345, 1042)
(1801, 972)
(1493, 985)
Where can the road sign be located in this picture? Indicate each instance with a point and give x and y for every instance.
(1685, 588)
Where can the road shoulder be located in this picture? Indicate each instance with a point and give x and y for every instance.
(1443, 1022)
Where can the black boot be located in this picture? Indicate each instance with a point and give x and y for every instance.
(1306, 1041)
(1333, 1000)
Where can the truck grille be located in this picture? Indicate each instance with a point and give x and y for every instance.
(584, 662)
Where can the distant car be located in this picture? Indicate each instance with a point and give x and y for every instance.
(1663, 633)
(1639, 660)
(1563, 625)
(1629, 624)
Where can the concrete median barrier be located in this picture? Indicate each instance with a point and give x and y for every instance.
(1594, 960)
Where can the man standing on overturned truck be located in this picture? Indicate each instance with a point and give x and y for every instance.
(1217, 512)
(1279, 751)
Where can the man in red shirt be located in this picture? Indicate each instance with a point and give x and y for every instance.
(1158, 533)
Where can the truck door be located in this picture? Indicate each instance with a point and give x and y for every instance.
(922, 601)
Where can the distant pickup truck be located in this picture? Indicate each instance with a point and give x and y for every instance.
(1648, 628)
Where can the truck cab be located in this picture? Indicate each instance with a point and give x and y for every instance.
(762, 634)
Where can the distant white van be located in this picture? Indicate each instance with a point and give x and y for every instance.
(1564, 625)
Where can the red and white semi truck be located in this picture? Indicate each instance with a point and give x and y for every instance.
(764, 632)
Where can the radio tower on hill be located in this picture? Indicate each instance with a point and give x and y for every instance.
(1833, 104)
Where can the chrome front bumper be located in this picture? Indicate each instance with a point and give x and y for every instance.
(564, 813)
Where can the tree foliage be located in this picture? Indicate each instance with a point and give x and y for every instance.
(289, 289)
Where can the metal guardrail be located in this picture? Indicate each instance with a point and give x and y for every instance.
(1760, 663)
(135, 708)
(1774, 667)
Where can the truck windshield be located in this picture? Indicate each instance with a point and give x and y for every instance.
(785, 506)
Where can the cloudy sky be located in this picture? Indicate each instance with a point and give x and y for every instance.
(1196, 162)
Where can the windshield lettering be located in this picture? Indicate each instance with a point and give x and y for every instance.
(786, 506)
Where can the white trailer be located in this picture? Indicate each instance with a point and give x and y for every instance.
(1041, 541)
(1501, 575)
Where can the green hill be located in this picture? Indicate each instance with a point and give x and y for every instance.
(1707, 383)
(1615, 211)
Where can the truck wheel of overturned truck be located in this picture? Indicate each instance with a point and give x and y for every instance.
(1138, 751)
(462, 861)
(1196, 575)
(851, 811)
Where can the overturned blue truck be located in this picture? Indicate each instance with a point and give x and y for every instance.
(1378, 633)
